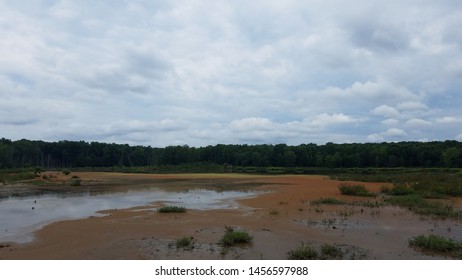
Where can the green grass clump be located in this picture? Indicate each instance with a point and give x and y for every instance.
(185, 243)
(75, 182)
(437, 244)
(331, 252)
(303, 252)
(325, 252)
(233, 237)
(274, 212)
(327, 200)
(171, 209)
(355, 190)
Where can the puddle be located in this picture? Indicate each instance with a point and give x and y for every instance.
(20, 217)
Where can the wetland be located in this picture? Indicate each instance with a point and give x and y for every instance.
(114, 216)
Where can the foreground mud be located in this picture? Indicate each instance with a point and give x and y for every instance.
(280, 219)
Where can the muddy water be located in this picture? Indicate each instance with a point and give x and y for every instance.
(21, 216)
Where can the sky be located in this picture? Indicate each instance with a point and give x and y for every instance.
(159, 73)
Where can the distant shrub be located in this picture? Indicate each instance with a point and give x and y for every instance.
(171, 209)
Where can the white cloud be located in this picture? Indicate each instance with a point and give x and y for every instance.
(251, 124)
(418, 122)
(390, 122)
(412, 105)
(391, 134)
(331, 119)
(449, 120)
(386, 111)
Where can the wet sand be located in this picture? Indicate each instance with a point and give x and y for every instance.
(279, 220)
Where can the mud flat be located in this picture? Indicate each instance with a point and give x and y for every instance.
(276, 210)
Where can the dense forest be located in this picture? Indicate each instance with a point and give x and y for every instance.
(72, 154)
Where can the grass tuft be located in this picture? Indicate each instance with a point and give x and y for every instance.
(303, 252)
(327, 200)
(437, 244)
(233, 237)
(185, 243)
(331, 252)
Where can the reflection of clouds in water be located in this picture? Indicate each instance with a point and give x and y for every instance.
(21, 216)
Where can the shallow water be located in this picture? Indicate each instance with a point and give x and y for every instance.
(20, 217)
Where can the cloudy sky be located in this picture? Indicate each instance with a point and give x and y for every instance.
(203, 72)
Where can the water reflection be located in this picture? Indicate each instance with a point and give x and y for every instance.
(20, 216)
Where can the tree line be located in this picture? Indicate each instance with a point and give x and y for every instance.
(72, 154)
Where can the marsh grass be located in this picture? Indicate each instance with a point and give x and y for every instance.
(75, 182)
(331, 252)
(307, 252)
(303, 252)
(18, 176)
(437, 244)
(335, 201)
(185, 243)
(328, 200)
(233, 237)
(171, 209)
(437, 182)
(422, 206)
(274, 212)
